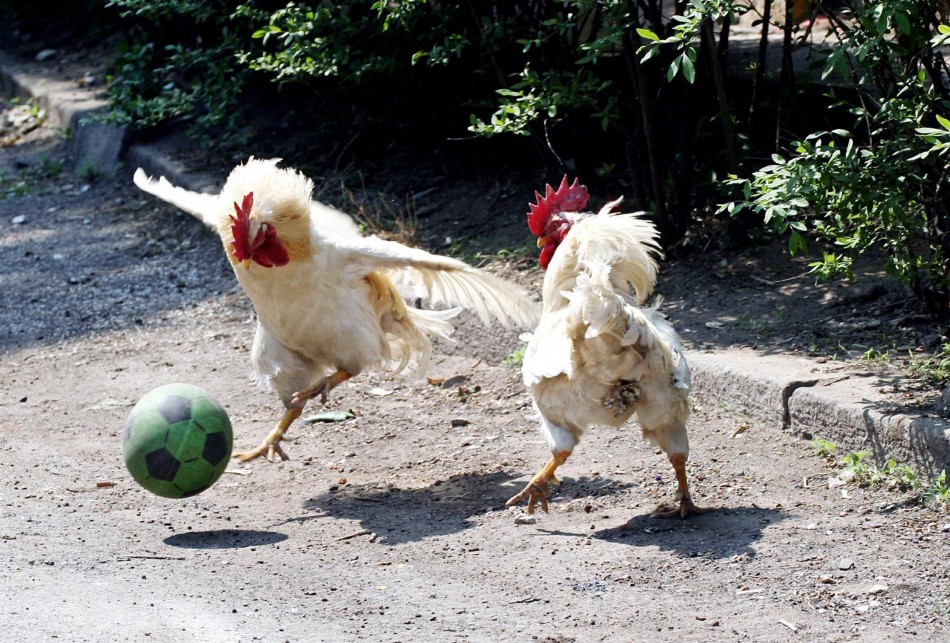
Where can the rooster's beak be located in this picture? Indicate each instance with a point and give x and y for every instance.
(541, 242)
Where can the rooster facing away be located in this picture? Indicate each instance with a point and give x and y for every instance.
(596, 356)
(326, 300)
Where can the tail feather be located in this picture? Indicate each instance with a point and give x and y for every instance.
(626, 243)
(204, 207)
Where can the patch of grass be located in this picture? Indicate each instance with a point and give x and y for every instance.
(935, 368)
(858, 467)
(825, 448)
(23, 182)
(937, 492)
(48, 168)
(515, 358)
(875, 356)
(12, 185)
(89, 171)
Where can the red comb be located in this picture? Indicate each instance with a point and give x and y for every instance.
(567, 198)
(241, 228)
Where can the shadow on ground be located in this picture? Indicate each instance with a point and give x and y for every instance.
(445, 507)
(225, 539)
(723, 533)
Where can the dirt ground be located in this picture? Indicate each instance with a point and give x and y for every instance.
(392, 526)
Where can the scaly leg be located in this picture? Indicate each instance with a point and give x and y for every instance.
(271, 444)
(321, 388)
(537, 490)
(686, 508)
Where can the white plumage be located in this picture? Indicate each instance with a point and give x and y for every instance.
(597, 356)
(331, 309)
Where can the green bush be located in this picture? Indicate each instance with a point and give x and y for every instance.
(882, 184)
(614, 91)
(165, 73)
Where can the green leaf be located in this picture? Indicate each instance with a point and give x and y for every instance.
(944, 121)
(673, 70)
(903, 24)
(796, 243)
(648, 34)
(689, 69)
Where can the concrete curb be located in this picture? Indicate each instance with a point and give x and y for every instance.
(94, 146)
(830, 401)
(833, 401)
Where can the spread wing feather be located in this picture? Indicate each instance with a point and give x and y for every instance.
(442, 280)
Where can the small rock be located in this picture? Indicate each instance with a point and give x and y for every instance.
(19, 219)
(525, 520)
(932, 341)
(44, 55)
(454, 381)
(845, 564)
(826, 579)
(458, 422)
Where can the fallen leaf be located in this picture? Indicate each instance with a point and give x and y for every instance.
(329, 416)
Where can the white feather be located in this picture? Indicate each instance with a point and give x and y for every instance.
(597, 356)
(334, 306)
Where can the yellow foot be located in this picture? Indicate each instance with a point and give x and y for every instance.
(269, 450)
(536, 492)
(270, 447)
(686, 509)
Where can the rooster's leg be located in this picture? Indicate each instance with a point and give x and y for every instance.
(270, 447)
(686, 507)
(537, 489)
(321, 388)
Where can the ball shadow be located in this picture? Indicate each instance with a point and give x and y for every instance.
(225, 539)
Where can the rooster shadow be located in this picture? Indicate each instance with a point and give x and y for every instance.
(724, 532)
(445, 507)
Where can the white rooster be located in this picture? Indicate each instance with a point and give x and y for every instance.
(596, 356)
(327, 307)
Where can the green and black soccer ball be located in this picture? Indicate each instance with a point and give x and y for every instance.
(177, 441)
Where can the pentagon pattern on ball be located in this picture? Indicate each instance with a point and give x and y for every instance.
(177, 441)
